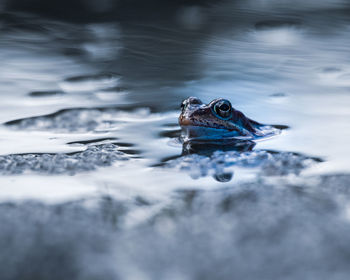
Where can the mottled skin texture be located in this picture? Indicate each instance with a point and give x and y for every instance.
(195, 115)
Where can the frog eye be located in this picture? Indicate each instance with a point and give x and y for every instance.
(223, 108)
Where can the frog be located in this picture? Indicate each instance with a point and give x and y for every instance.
(216, 138)
(218, 120)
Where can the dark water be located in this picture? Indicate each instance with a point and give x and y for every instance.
(95, 183)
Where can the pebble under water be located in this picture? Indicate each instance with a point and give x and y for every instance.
(95, 182)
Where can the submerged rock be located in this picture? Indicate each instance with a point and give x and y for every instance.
(80, 120)
(93, 157)
(221, 163)
(72, 120)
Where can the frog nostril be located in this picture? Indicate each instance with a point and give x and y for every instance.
(194, 101)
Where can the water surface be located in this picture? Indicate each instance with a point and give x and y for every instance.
(88, 119)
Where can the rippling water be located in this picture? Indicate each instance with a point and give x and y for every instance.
(89, 143)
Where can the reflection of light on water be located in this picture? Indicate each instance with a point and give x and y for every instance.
(278, 98)
(17, 142)
(100, 6)
(51, 189)
(191, 17)
(297, 4)
(90, 83)
(334, 76)
(296, 61)
(347, 212)
(279, 36)
(112, 96)
(244, 65)
(104, 43)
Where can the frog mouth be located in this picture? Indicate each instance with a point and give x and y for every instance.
(202, 133)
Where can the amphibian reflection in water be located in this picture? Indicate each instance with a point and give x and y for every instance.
(219, 121)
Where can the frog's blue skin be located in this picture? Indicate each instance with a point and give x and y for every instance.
(219, 122)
